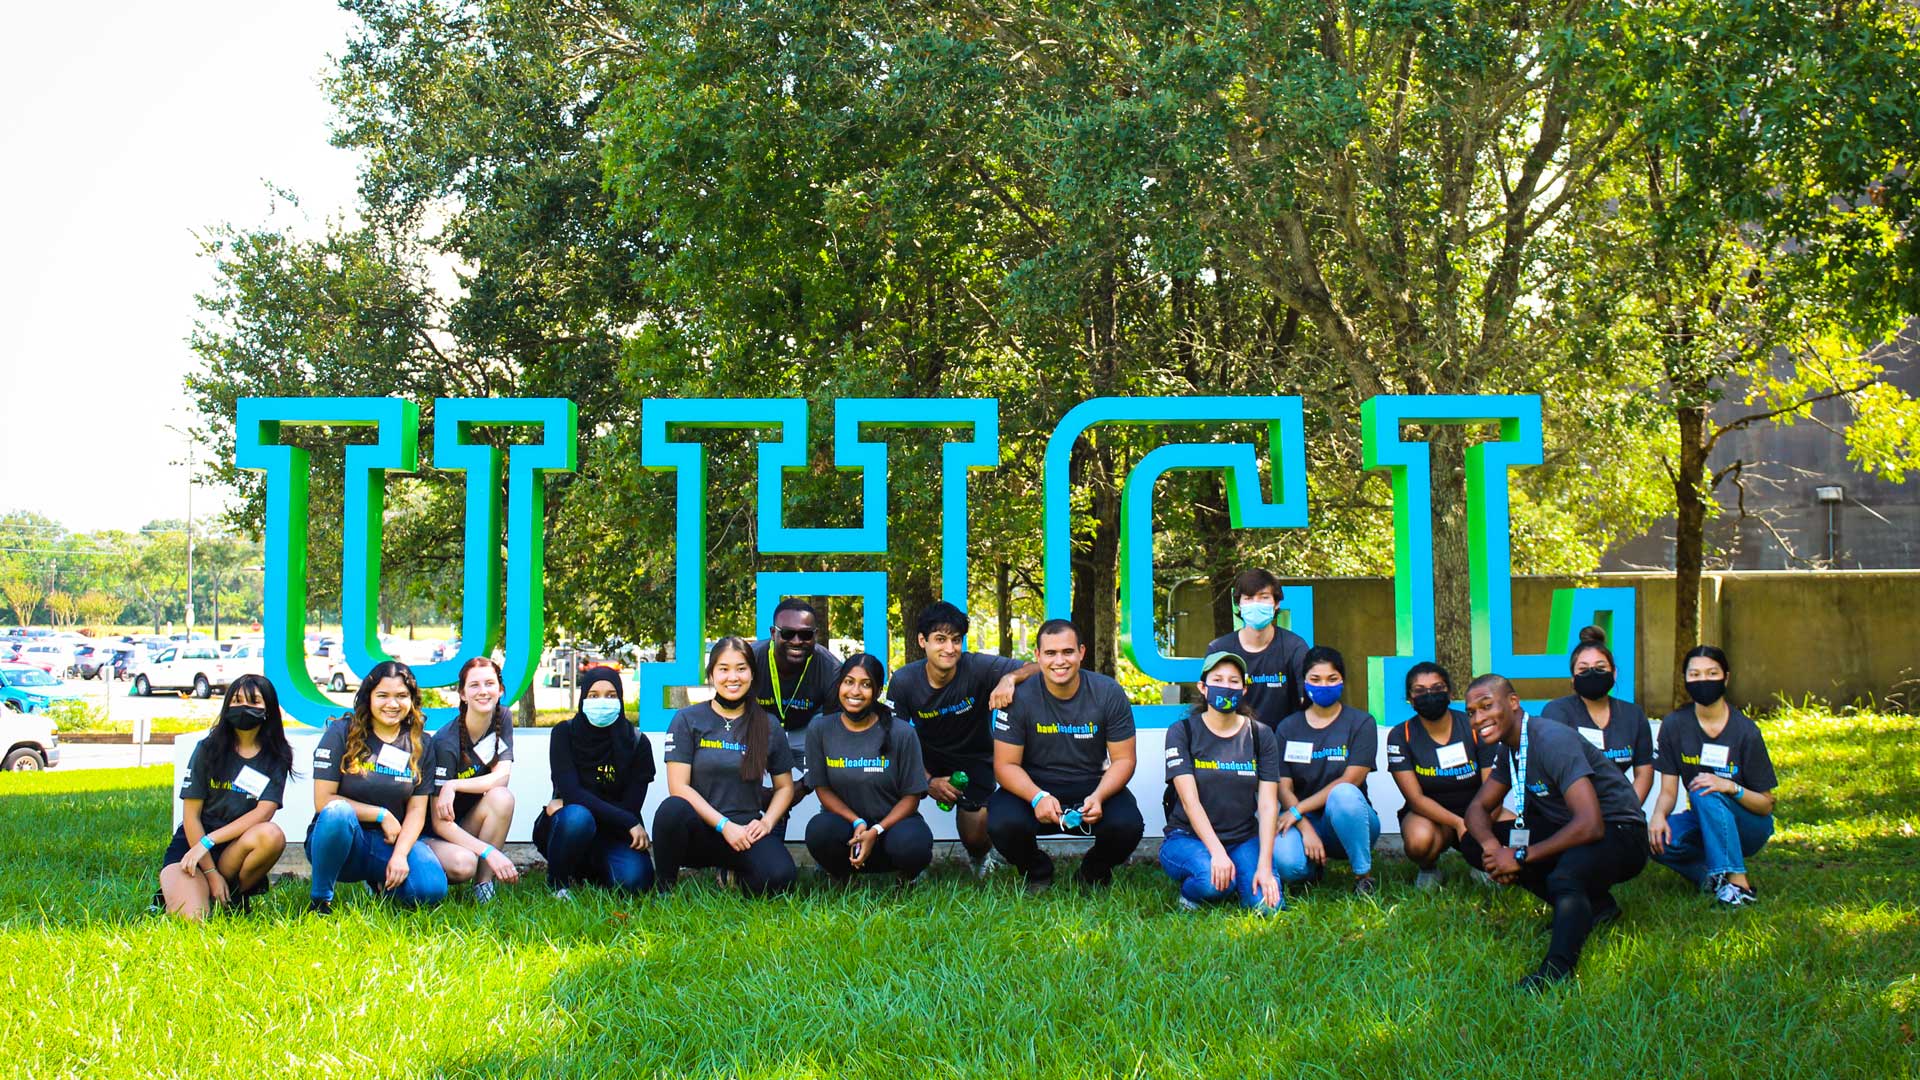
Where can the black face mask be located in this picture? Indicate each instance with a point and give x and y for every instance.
(1593, 684)
(733, 703)
(246, 717)
(1706, 691)
(1431, 705)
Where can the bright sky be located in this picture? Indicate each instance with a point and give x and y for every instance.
(127, 128)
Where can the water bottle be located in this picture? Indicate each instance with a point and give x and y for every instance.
(959, 781)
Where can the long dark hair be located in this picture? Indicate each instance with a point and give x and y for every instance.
(877, 673)
(360, 725)
(271, 735)
(754, 762)
(459, 684)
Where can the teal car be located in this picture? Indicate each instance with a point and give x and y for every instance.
(25, 688)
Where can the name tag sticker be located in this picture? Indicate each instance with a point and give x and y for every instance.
(1299, 753)
(1452, 756)
(486, 748)
(1519, 838)
(1595, 736)
(393, 759)
(1713, 756)
(251, 780)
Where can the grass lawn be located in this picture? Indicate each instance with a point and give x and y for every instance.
(958, 979)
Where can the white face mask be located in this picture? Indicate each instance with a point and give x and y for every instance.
(1257, 614)
(601, 712)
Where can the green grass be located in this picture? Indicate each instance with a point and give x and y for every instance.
(964, 980)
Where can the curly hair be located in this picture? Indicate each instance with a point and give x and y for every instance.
(361, 723)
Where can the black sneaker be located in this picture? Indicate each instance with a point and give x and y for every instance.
(1542, 979)
(1038, 885)
(318, 906)
(1363, 885)
(1711, 886)
(1102, 880)
(1606, 916)
(1746, 891)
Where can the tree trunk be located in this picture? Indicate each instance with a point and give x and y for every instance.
(822, 608)
(1219, 558)
(1452, 602)
(1003, 606)
(1689, 539)
(524, 707)
(916, 592)
(1096, 556)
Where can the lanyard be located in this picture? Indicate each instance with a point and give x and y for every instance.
(1517, 795)
(779, 699)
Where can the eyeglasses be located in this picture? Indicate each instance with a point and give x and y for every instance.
(788, 633)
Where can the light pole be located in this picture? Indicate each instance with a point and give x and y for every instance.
(188, 435)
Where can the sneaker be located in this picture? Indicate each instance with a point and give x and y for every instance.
(1711, 886)
(1732, 896)
(1186, 904)
(986, 864)
(1363, 885)
(1542, 979)
(1606, 916)
(483, 893)
(724, 878)
(1038, 885)
(914, 882)
(1100, 881)
(317, 905)
(1427, 880)
(561, 894)
(1481, 877)
(1747, 891)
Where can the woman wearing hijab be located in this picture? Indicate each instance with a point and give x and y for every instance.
(602, 766)
(868, 773)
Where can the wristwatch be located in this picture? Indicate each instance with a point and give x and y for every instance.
(1520, 855)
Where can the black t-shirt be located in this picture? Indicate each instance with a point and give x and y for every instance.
(1452, 783)
(450, 764)
(953, 721)
(383, 779)
(800, 699)
(1627, 740)
(712, 744)
(230, 788)
(1276, 675)
(870, 770)
(1556, 758)
(1066, 741)
(1313, 759)
(1227, 774)
(1686, 752)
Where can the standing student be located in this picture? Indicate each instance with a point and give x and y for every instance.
(1719, 755)
(1439, 767)
(1063, 753)
(1223, 796)
(602, 767)
(1578, 830)
(867, 771)
(371, 785)
(1275, 656)
(1326, 752)
(949, 699)
(1617, 728)
(718, 754)
(793, 678)
(472, 764)
(236, 780)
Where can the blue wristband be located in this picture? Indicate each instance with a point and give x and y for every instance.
(1035, 804)
(1295, 811)
(721, 826)
(859, 823)
(487, 852)
(206, 841)
(1737, 792)
(379, 815)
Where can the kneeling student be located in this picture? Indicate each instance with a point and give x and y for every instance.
(1578, 830)
(1718, 754)
(1223, 796)
(472, 765)
(1326, 752)
(236, 780)
(602, 766)
(1439, 768)
(867, 771)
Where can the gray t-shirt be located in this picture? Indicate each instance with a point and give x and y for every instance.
(1627, 740)
(383, 779)
(1227, 774)
(1738, 753)
(1313, 759)
(1066, 741)
(450, 764)
(953, 721)
(1556, 759)
(712, 744)
(230, 788)
(869, 770)
(1452, 783)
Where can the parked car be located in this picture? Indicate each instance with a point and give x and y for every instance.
(52, 657)
(332, 673)
(30, 741)
(25, 688)
(195, 667)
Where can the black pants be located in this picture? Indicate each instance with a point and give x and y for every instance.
(1016, 831)
(680, 839)
(906, 848)
(1575, 883)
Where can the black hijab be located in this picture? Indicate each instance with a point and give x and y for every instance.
(596, 746)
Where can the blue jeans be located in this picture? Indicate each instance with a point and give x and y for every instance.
(1347, 826)
(342, 849)
(1714, 837)
(576, 851)
(1187, 861)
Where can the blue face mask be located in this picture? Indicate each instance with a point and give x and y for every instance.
(601, 711)
(1223, 698)
(1324, 696)
(1257, 614)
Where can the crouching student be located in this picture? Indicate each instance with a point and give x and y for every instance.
(1439, 767)
(371, 786)
(1616, 726)
(602, 766)
(1223, 796)
(1577, 831)
(472, 765)
(236, 780)
(867, 771)
(718, 753)
(1326, 752)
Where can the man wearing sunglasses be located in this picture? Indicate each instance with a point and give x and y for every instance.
(793, 679)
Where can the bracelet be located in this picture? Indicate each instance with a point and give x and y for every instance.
(859, 823)
(206, 841)
(1295, 811)
(878, 829)
(487, 852)
(1035, 802)
(380, 816)
(721, 825)
(1738, 791)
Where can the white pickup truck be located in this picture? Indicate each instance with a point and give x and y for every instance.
(197, 668)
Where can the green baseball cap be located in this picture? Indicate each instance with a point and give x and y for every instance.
(1223, 657)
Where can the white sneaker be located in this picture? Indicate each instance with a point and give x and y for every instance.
(483, 893)
(563, 895)
(986, 864)
(1186, 904)
(1427, 880)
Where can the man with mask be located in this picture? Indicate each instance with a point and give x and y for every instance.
(1273, 655)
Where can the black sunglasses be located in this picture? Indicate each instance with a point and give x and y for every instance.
(788, 633)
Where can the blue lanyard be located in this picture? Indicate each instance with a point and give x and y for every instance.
(1517, 795)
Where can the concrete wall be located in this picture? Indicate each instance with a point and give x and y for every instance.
(1838, 636)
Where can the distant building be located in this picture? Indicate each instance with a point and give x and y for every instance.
(1806, 505)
